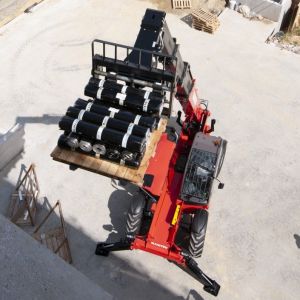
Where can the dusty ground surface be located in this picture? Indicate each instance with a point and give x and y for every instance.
(252, 245)
(293, 37)
(289, 41)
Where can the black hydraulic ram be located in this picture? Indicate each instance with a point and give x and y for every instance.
(112, 123)
(127, 141)
(115, 113)
(132, 101)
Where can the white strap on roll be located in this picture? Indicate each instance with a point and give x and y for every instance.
(160, 110)
(121, 98)
(137, 119)
(74, 125)
(88, 106)
(125, 140)
(147, 89)
(148, 134)
(99, 132)
(147, 93)
(124, 88)
(145, 105)
(113, 111)
(130, 128)
(81, 113)
(99, 92)
(105, 120)
(101, 82)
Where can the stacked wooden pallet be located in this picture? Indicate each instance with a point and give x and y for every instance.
(181, 4)
(205, 21)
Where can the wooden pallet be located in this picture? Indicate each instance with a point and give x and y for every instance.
(54, 239)
(181, 4)
(205, 21)
(205, 28)
(23, 7)
(23, 203)
(108, 168)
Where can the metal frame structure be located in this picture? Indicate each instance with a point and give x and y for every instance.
(161, 79)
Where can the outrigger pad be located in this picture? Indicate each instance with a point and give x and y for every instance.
(100, 249)
(213, 288)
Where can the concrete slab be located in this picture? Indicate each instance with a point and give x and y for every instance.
(30, 271)
(254, 94)
(10, 9)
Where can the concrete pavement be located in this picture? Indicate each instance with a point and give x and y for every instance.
(253, 90)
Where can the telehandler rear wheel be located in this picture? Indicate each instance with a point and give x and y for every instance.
(198, 231)
(135, 215)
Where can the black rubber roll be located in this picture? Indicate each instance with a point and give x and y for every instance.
(132, 101)
(120, 88)
(128, 141)
(112, 123)
(131, 159)
(123, 115)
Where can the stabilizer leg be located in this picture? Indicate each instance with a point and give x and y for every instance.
(104, 248)
(191, 267)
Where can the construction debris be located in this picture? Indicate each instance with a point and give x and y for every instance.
(281, 40)
(204, 21)
(247, 13)
(244, 10)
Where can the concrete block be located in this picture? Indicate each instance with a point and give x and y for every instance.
(30, 271)
(271, 10)
(11, 144)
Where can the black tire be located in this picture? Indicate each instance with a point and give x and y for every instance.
(135, 215)
(198, 231)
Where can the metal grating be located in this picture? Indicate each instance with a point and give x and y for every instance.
(199, 176)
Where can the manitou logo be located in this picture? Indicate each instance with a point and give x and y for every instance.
(159, 245)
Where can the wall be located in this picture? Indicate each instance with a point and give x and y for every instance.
(268, 9)
(11, 144)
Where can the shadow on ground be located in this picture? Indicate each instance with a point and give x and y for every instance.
(297, 240)
(6, 187)
(114, 274)
(118, 204)
(44, 119)
(188, 20)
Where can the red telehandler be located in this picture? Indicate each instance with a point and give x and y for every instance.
(168, 217)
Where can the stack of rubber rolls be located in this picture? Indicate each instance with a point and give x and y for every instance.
(116, 125)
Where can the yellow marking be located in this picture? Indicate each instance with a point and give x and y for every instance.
(175, 217)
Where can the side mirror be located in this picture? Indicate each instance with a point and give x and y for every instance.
(178, 120)
(221, 185)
